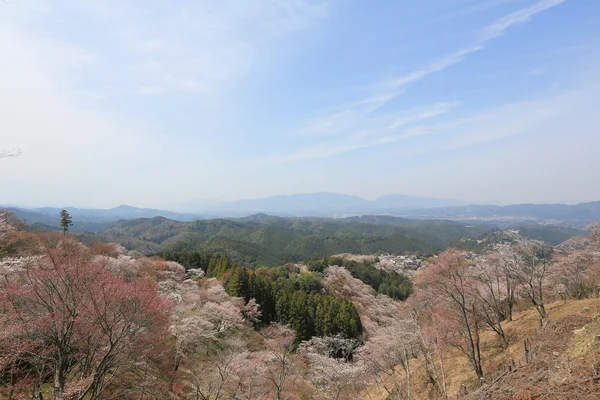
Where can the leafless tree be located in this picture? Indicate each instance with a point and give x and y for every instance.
(531, 271)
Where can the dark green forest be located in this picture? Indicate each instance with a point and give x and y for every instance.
(391, 283)
(283, 293)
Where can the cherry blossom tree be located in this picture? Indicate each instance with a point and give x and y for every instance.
(578, 274)
(447, 279)
(388, 356)
(532, 271)
(216, 376)
(507, 260)
(207, 351)
(251, 312)
(428, 339)
(335, 378)
(491, 292)
(5, 227)
(594, 232)
(84, 325)
(278, 361)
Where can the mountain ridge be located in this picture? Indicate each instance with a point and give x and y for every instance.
(335, 205)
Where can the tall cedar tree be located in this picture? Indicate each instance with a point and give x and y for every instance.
(65, 221)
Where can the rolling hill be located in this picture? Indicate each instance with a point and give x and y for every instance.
(268, 240)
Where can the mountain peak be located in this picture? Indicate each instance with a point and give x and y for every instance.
(124, 207)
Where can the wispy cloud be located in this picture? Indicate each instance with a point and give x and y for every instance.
(329, 123)
(480, 127)
(359, 115)
(499, 26)
(490, 32)
(419, 115)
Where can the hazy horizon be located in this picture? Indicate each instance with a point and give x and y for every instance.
(154, 104)
(200, 205)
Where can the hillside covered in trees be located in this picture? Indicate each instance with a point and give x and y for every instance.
(266, 240)
(515, 319)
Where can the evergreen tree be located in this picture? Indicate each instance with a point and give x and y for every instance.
(260, 289)
(212, 265)
(65, 221)
(295, 301)
(222, 267)
(237, 285)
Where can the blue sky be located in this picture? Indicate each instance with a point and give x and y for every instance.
(156, 103)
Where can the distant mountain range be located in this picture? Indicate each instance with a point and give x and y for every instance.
(329, 205)
(321, 204)
(93, 220)
(578, 215)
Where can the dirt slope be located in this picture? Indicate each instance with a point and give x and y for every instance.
(564, 360)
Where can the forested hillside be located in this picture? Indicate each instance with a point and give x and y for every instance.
(271, 241)
(515, 319)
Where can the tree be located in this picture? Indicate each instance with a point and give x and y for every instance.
(335, 378)
(508, 260)
(5, 227)
(251, 312)
(237, 286)
(216, 376)
(491, 293)
(594, 232)
(448, 280)
(261, 290)
(427, 340)
(389, 350)
(531, 271)
(578, 274)
(67, 316)
(279, 340)
(65, 221)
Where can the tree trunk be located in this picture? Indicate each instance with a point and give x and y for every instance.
(526, 351)
(59, 378)
(174, 372)
(429, 363)
(437, 347)
(473, 342)
(407, 369)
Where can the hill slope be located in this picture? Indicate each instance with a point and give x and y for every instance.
(565, 352)
(265, 240)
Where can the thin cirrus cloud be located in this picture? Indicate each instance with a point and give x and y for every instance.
(419, 115)
(490, 32)
(360, 113)
(477, 128)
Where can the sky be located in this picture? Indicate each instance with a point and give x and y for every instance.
(158, 103)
